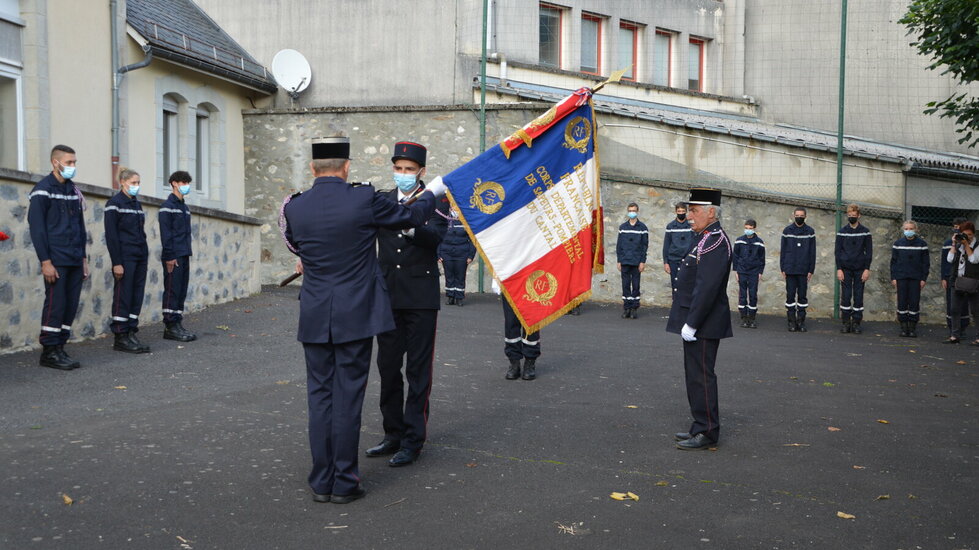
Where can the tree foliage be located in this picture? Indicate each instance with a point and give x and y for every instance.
(947, 32)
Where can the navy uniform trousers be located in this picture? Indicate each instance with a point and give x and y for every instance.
(630, 286)
(908, 299)
(336, 377)
(127, 296)
(175, 290)
(455, 278)
(748, 293)
(406, 420)
(851, 295)
(962, 313)
(796, 301)
(699, 357)
(60, 305)
(517, 343)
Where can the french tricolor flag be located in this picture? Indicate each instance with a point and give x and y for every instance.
(533, 208)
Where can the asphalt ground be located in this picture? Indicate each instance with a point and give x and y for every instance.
(203, 445)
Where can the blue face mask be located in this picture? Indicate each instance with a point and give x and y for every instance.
(133, 190)
(749, 232)
(184, 189)
(67, 172)
(633, 215)
(908, 233)
(406, 182)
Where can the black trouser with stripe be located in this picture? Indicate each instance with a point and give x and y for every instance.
(698, 364)
(127, 297)
(412, 345)
(517, 343)
(851, 295)
(908, 299)
(455, 278)
(796, 301)
(175, 290)
(60, 305)
(748, 293)
(630, 286)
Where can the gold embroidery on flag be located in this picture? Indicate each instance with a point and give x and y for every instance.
(487, 196)
(541, 286)
(577, 134)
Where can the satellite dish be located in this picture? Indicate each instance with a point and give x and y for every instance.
(291, 71)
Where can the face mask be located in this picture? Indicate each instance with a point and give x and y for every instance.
(681, 217)
(909, 233)
(133, 190)
(184, 189)
(749, 232)
(800, 220)
(632, 215)
(67, 172)
(406, 182)
(852, 220)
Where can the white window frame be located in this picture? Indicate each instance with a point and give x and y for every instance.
(670, 41)
(171, 140)
(13, 73)
(562, 17)
(202, 151)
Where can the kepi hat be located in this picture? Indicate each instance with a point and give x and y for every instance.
(411, 151)
(331, 148)
(703, 196)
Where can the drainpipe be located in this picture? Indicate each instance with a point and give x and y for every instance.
(117, 73)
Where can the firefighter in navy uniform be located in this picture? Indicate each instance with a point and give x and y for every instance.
(409, 261)
(125, 237)
(676, 243)
(343, 304)
(630, 254)
(455, 254)
(909, 271)
(175, 236)
(57, 226)
(854, 252)
(748, 264)
(797, 261)
(947, 278)
(701, 316)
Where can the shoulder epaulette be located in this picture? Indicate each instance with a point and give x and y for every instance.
(360, 184)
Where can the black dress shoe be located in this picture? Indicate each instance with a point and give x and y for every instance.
(386, 447)
(123, 343)
(403, 457)
(52, 359)
(699, 442)
(513, 372)
(529, 369)
(174, 331)
(64, 355)
(358, 493)
(681, 436)
(321, 498)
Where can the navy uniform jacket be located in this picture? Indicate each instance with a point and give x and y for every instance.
(125, 236)
(677, 241)
(748, 257)
(701, 287)
(57, 222)
(854, 248)
(909, 259)
(456, 244)
(410, 264)
(798, 255)
(175, 232)
(632, 244)
(946, 265)
(333, 226)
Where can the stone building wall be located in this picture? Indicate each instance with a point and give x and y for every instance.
(225, 264)
(277, 158)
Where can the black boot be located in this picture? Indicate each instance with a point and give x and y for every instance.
(856, 328)
(143, 348)
(751, 320)
(791, 321)
(64, 355)
(175, 331)
(513, 372)
(123, 343)
(634, 313)
(51, 358)
(913, 329)
(800, 324)
(627, 313)
(904, 329)
(450, 301)
(744, 320)
(458, 301)
(529, 369)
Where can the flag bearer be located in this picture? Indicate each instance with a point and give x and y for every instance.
(125, 238)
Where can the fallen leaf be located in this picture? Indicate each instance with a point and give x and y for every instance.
(223, 327)
(883, 497)
(282, 382)
(960, 362)
(882, 421)
(855, 467)
(828, 384)
(619, 496)
(632, 406)
(121, 387)
(911, 351)
(66, 499)
(662, 483)
(844, 515)
(470, 465)
(796, 445)
(275, 319)
(911, 497)
(793, 378)
(834, 429)
(248, 311)
(854, 355)
(633, 496)
(183, 540)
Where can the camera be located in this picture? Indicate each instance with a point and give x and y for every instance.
(960, 237)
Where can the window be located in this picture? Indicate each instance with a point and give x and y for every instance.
(591, 43)
(662, 58)
(628, 49)
(11, 93)
(550, 35)
(171, 134)
(203, 152)
(695, 78)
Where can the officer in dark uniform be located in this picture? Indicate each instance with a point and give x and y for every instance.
(947, 278)
(700, 315)
(909, 271)
(175, 236)
(343, 304)
(797, 261)
(676, 243)
(854, 252)
(409, 261)
(125, 237)
(57, 226)
(630, 255)
(455, 254)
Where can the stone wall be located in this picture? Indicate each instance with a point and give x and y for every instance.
(276, 165)
(225, 264)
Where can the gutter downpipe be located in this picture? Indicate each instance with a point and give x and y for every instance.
(117, 73)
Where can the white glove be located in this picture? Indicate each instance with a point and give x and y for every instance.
(408, 232)
(436, 187)
(687, 333)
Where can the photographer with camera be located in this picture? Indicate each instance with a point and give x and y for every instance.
(965, 278)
